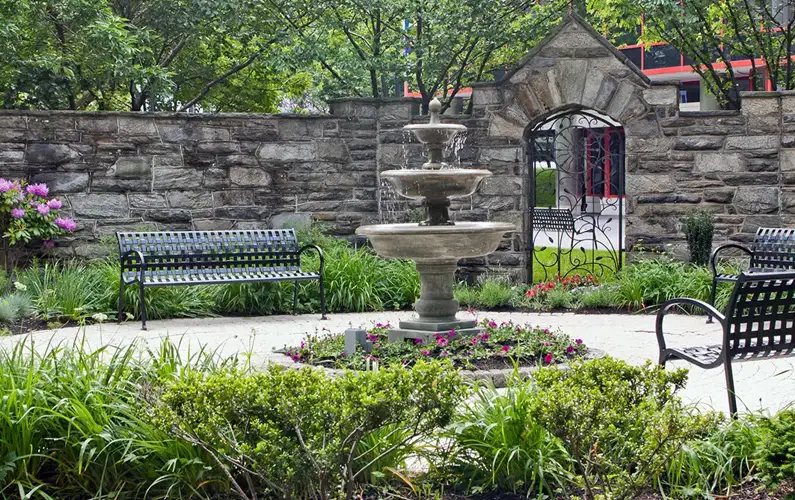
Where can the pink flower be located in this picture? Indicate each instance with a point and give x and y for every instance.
(485, 337)
(492, 324)
(38, 190)
(425, 352)
(443, 342)
(570, 349)
(548, 358)
(6, 186)
(54, 204)
(43, 209)
(451, 334)
(445, 354)
(49, 244)
(506, 348)
(474, 340)
(578, 341)
(417, 341)
(65, 224)
(17, 213)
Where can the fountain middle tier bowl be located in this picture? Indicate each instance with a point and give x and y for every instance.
(436, 243)
(418, 184)
(435, 133)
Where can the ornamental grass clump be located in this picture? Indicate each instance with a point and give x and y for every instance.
(699, 228)
(28, 215)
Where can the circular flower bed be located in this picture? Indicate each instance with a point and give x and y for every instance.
(502, 345)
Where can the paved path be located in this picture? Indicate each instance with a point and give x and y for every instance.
(766, 384)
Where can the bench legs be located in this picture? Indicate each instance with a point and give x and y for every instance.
(121, 301)
(727, 368)
(322, 298)
(143, 306)
(712, 297)
(295, 296)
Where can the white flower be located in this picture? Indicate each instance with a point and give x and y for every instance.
(20, 286)
(99, 317)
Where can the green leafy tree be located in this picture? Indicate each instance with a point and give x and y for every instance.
(715, 36)
(136, 54)
(368, 48)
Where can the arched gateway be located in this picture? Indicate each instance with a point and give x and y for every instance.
(582, 114)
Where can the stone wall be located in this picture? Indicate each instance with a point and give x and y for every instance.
(180, 172)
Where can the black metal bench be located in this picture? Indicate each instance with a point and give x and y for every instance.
(759, 324)
(773, 250)
(155, 259)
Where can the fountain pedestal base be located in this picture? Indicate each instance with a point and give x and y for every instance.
(436, 307)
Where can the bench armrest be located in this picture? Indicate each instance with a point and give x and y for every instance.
(141, 266)
(713, 260)
(319, 254)
(668, 305)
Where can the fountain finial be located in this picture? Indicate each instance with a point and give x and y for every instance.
(435, 108)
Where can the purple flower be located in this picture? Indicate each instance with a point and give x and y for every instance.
(49, 244)
(443, 342)
(451, 334)
(417, 341)
(38, 190)
(548, 358)
(570, 349)
(379, 325)
(43, 209)
(54, 204)
(65, 224)
(578, 341)
(17, 213)
(485, 337)
(6, 186)
(506, 348)
(444, 354)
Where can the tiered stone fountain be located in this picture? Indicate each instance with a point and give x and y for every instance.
(438, 243)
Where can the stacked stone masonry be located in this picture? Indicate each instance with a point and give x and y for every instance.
(125, 171)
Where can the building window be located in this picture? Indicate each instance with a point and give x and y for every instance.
(604, 162)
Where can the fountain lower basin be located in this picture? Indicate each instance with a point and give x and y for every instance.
(430, 244)
(436, 250)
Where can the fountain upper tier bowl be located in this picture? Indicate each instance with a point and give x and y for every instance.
(420, 184)
(436, 243)
(435, 132)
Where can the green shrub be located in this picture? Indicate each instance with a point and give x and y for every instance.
(621, 424)
(699, 228)
(495, 292)
(295, 433)
(16, 306)
(498, 445)
(599, 297)
(467, 295)
(776, 454)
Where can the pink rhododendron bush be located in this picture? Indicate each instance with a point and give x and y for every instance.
(498, 345)
(29, 216)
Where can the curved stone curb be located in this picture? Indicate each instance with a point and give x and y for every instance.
(497, 377)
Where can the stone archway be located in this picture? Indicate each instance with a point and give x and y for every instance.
(575, 68)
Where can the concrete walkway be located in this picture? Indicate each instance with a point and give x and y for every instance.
(768, 384)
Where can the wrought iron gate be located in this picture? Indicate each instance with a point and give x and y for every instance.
(575, 193)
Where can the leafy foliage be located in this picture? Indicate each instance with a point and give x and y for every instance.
(620, 423)
(296, 432)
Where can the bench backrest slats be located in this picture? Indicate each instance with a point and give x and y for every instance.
(761, 314)
(210, 252)
(773, 248)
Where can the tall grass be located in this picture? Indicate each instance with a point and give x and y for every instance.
(71, 426)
